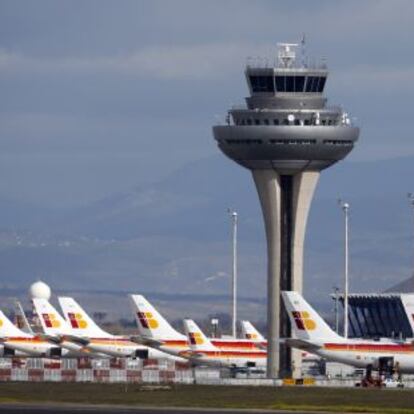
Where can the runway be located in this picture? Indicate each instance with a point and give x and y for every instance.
(91, 409)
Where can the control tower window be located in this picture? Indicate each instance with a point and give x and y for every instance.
(262, 84)
(315, 83)
(299, 82)
(290, 83)
(312, 83)
(280, 83)
(321, 85)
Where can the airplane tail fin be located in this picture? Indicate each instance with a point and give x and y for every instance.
(196, 338)
(306, 322)
(150, 322)
(52, 322)
(408, 305)
(22, 322)
(250, 332)
(8, 329)
(79, 320)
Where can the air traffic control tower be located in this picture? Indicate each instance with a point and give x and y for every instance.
(286, 134)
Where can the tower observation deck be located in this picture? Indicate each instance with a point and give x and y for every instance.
(285, 134)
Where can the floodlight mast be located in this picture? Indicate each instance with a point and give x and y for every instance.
(345, 208)
(285, 135)
(336, 293)
(233, 215)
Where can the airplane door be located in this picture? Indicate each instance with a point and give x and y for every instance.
(386, 365)
(141, 353)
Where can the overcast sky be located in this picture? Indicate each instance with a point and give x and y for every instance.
(98, 96)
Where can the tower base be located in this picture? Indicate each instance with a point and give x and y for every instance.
(285, 202)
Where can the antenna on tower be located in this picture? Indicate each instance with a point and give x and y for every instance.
(286, 54)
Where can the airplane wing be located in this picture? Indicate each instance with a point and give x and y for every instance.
(143, 340)
(50, 338)
(76, 339)
(302, 344)
(260, 346)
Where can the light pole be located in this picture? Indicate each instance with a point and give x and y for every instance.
(233, 216)
(214, 324)
(336, 290)
(345, 208)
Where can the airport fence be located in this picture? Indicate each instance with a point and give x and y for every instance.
(151, 371)
(105, 370)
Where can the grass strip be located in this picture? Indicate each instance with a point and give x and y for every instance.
(288, 398)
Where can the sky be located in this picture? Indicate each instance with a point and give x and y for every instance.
(100, 96)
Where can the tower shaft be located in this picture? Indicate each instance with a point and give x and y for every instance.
(285, 202)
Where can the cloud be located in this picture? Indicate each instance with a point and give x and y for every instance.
(215, 276)
(215, 60)
(98, 85)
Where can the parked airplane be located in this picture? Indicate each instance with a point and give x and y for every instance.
(314, 335)
(203, 352)
(87, 333)
(15, 342)
(155, 331)
(251, 333)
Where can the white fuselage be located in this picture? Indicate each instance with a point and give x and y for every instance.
(361, 353)
(226, 359)
(33, 347)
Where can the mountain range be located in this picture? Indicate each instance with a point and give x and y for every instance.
(173, 236)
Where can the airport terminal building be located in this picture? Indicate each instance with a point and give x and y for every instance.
(386, 315)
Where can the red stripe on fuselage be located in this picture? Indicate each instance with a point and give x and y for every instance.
(23, 339)
(234, 344)
(361, 347)
(219, 343)
(224, 354)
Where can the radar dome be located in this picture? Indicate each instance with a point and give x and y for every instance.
(40, 290)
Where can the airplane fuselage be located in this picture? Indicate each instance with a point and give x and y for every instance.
(361, 354)
(33, 347)
(226, 359)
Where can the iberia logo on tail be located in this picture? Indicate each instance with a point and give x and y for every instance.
(251, 336)
(50, 320)
(147, 320)
(77, 321)
(303, 321)
(195, 338)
